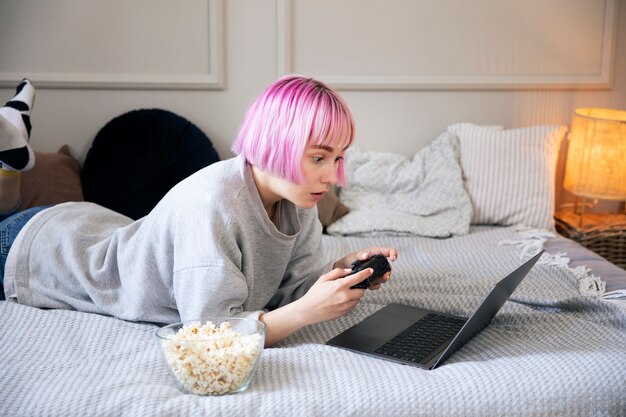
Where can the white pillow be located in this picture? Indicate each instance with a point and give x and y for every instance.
(509, 173)
(390, 194)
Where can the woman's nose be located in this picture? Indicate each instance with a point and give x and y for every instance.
(330, 175)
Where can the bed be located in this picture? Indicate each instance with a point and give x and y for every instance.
(557, 347)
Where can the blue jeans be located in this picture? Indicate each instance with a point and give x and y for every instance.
(9, 228)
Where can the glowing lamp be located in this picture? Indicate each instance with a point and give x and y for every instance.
(596, 157)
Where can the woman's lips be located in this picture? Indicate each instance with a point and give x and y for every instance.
(317, 196)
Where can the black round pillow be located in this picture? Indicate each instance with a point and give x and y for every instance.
(137, 157)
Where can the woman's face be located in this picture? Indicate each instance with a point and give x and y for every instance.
(319, 166)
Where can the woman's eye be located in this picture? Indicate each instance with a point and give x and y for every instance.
(339, 158)
(318, 159)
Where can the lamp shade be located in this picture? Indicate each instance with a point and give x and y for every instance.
(596, 157)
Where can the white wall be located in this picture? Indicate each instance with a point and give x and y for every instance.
(407, 68)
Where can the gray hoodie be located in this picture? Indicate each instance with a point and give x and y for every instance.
(207, 249)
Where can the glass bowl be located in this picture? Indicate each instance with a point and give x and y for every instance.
(212, 356)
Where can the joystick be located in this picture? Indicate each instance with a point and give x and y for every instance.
(378, 263)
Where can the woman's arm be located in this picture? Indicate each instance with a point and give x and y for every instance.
(330, 297)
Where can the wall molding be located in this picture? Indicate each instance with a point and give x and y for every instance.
(214, 80)
(600, 81)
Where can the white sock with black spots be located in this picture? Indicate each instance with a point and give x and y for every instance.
(15, 152)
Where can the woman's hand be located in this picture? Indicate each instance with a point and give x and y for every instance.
(390, 253)
(330, 297)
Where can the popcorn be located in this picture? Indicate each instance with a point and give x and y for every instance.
(210, 359)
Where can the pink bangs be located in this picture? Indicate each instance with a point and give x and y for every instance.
(291, 114)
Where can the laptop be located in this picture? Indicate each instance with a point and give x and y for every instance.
(425, 338)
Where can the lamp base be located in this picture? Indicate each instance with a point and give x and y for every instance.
(579, 207)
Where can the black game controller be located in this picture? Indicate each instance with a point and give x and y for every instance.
(378, 263)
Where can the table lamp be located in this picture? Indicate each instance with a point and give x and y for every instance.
(596, 157)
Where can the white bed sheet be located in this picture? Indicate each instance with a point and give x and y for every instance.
(550, 351)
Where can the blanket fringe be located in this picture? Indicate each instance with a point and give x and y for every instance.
(532, 241)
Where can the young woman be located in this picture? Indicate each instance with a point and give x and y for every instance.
(238, 238)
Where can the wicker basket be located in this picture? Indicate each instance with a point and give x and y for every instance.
(603, 233)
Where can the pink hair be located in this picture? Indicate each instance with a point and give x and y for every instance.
(289, 115)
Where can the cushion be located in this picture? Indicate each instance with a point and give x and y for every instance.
(136, 158)
(510, 173)
(55, 178)
(388, 193)
(330, 209)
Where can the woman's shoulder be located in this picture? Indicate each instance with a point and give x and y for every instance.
(218, 178)
(213, 191)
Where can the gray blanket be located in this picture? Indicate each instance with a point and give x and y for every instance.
(551, 351)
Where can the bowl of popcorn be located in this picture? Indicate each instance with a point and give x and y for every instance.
(213, 356)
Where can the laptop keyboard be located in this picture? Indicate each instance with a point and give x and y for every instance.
(422, 338)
